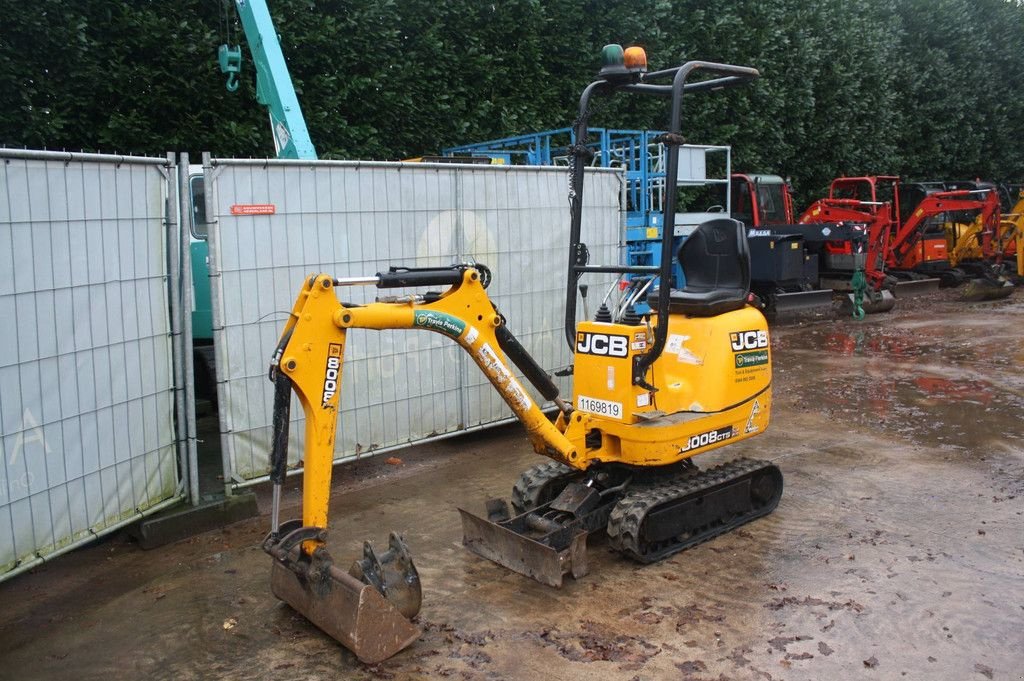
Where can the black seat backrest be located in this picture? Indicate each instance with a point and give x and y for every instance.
(716, 257)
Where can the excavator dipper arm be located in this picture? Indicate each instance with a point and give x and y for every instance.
(368, 609)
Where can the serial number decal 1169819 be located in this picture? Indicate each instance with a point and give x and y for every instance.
(600, 407)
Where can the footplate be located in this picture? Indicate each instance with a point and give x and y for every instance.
(545, 543)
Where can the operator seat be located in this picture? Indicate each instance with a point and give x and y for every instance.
(716, 262)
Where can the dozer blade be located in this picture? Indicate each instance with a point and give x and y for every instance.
(503, 545)
(981, 289)
(353, 613)
(801, 304)
(883, 301)
(918, 287)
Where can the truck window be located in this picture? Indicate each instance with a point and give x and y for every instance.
(742, 206)
(195, 184)
(771, 204)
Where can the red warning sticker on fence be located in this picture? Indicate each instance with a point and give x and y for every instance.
(253, 209)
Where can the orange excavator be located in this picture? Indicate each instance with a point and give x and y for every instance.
(796, 266)
(909, 236)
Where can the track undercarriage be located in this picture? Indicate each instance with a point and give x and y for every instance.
(648, 514)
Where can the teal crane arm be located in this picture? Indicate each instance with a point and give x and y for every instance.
(274, 88)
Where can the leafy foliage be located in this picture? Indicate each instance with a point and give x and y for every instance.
(919, 87)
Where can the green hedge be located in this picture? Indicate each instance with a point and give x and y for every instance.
(923, 88)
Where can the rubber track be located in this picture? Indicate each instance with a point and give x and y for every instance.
(527, 490)
(627, 517)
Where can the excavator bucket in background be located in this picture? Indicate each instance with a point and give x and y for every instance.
(982, 289)
(916, 287)
(874, 303)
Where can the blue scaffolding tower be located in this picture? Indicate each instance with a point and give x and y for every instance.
(641, 158)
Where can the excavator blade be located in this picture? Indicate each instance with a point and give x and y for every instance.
(507, 544)
(801, 305)
(883, 301)
(918, 287)
(982, 288)
(349, 611)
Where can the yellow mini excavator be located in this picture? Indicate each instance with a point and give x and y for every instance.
(649, 393)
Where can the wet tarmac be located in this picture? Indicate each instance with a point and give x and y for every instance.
(897, 550)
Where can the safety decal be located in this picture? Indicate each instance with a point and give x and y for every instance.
(676, 345)
(503, 377)
(754, 411)
(253, 209)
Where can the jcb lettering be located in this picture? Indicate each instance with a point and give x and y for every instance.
(602, 344)
(748, 340)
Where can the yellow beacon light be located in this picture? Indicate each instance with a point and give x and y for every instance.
(635, 58)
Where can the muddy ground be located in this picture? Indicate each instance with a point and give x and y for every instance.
(897, 550)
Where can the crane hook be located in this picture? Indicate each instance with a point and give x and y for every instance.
(230, 60)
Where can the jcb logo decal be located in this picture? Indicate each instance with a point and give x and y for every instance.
(332, 373)
(602, 344)
(748, 340)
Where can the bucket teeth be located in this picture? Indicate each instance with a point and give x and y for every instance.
(392, 573)
(367, 609)
(351, 612)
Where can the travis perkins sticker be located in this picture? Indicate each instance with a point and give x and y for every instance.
(439, 321)
(332, 372)
(751, 359)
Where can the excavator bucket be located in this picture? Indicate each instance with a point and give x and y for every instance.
(800, 305)
(353, 613)
(982, 289)
(367, 609)
(876, 303)
(916, 287)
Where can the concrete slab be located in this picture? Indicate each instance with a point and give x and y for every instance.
(185, 520)
(897, 550)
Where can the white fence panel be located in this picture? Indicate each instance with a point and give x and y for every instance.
(351, 219)
(86, 391)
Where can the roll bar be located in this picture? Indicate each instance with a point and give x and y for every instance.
(651, 83)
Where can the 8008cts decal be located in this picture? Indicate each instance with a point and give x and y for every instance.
(332, 372)
(709, 438)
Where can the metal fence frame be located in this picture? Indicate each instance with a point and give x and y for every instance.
(57, 290)
(466, 376)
